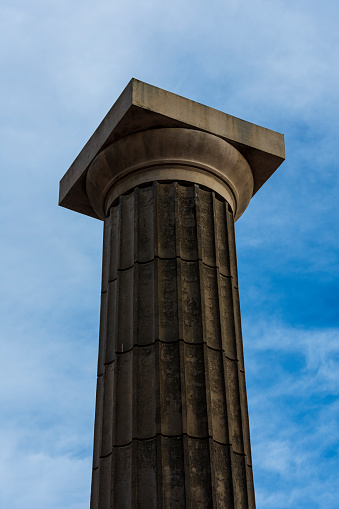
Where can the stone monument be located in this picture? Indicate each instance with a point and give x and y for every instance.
(169, 177)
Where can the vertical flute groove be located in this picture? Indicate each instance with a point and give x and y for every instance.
(171, 425)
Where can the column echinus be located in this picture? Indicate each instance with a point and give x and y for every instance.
(168, 177)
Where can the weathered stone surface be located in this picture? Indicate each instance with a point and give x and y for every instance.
(104, 477)
(189, 301)
(120, 486)
(146, 203)
(217, 417)
(205, 218)
(108, 416)
(240, 482)
(169, 177)
(227, 318)
(103, 334)
(124, 399)
(169, 220)
(110, 325)
(186, 223)
(197, 473)
(171, 397)
(221, 475)
(141, 107)
(166, 221)
(222, 254)
(127, 231)
(172, 472)
(185, 155)
(250, 487)
(144, 303)
(98, 422)
(171, 400)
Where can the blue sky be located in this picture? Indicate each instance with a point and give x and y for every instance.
(63, 64)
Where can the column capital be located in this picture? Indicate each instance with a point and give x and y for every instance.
(142, 107)
(169, 154)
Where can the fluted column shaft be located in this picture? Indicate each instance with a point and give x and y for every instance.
(171, 426)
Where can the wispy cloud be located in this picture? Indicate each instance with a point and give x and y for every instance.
(63, 65)
(293, 385)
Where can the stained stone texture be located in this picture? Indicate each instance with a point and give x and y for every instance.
(171, 425)
(169, 177)
(143, 107)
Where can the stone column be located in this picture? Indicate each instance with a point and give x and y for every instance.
(171, 427)
(169, 177)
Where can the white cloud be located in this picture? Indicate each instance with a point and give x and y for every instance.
(63, 65)
(293, 386)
